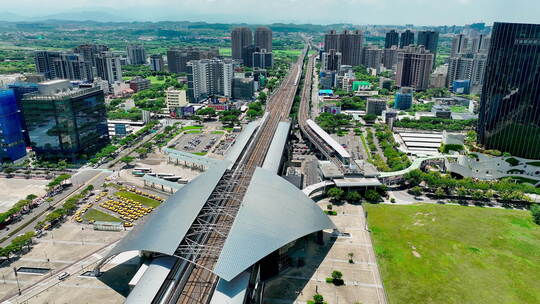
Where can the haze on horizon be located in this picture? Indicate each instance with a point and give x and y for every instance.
(418, 12)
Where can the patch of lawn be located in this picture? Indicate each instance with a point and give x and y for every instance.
(139, 198)
(534, 163)
(223, 51)
(193, 131)
(520, 179)
(454, 254)
(459, 109)
(218, 132)
(96, 215)
(200, 153)
(191, 128)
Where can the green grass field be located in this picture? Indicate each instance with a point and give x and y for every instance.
(153, 79)
(453, 254)
(96, 215)
(225, 51)
(141, 199)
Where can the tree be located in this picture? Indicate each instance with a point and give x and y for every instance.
(262, 97)
(337, 277)
(439, 192)
(318, 299)
(353, 196)
(372, 195)
(127, 159)
(416, 190)
(335, 193)
(370, 117)
(351, 255)
(208, 112)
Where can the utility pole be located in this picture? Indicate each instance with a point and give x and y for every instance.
(17, 279)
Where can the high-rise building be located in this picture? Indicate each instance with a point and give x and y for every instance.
(480, 44)
(467, 67)
(392, 38)
(156, 63)
(430, 40)
(177, 58)
(414, 68)
(350, 46)
(406, 39)
(210, 77)
(243, 88)
(263, 38)
(108, 67)
(438, 77)
(330, 61)
(459, 68)
(348, 43)
(372, 57)
(478, 71)
(509, 117)
(65, 122)
(44, 61)
(262, 59)
(136, 54)
(56, 65)
(12, 145)
(459, 45)
(240, 38)
(331, 41)
(19, 89)
(247, 54)
(90, 51)
(390, 57)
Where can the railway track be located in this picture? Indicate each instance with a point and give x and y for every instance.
(303, 116)
(191, 280)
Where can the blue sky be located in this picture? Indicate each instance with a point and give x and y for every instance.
(418, 12)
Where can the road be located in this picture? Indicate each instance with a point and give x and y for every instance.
(75, 268)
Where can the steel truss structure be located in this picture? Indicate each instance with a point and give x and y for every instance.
(207, 235)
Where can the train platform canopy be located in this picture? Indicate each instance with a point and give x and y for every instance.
(329, 140)
(159, 181)
(233, 292)
(241, 140)
(273, 158)
(189, 157)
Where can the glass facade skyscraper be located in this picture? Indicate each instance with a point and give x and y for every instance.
(12, 145)
(67, 124)
(509, 118)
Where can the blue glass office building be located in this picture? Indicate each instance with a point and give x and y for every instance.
(19, 89)
(12, 145)
(66, 125)
(403, 99)
(509, 116)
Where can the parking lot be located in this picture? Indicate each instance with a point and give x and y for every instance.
(72, 248)
(198, 143)
(13, 190)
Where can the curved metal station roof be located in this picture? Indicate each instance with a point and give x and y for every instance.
(274, 213)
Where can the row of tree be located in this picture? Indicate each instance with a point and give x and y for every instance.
(338, 194)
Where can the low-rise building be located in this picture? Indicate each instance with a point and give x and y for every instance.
(175, 98)
(138, 84)
(375, 106)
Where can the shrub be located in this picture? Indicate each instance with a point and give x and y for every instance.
(535, 210)
(512, 161)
